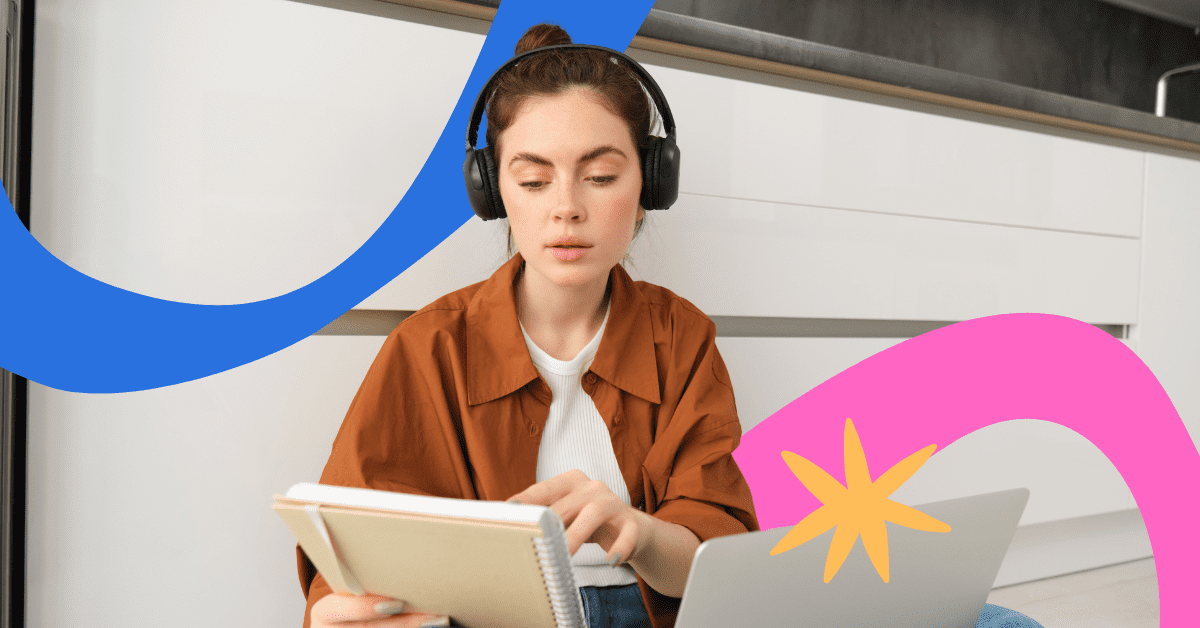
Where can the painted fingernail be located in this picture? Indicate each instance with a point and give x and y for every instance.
(439, 622)
(615, 560)
(389, 607)
(514, 501)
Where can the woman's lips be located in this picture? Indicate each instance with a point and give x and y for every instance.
(568, 253)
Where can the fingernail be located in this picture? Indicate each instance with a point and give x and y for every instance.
(440, 622)
(389, 607)
(615, 560)
(514, 501)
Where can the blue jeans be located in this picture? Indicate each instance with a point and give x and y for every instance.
(622, 607)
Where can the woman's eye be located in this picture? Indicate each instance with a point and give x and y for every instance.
(533, 185)
(605, 179)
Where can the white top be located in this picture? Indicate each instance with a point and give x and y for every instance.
(576, 437)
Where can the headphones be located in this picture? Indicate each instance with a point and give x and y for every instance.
(660, 159)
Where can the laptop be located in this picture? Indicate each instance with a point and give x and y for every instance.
(936, 579)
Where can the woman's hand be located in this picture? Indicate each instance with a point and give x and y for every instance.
(659, 551)
(368, 611)
(592, 513)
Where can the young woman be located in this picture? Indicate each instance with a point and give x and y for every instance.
(559, 381)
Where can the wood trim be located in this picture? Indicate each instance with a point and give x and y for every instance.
(463, 9)
(450, 6)
(381, 323)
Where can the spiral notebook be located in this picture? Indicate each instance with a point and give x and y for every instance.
(485, 564)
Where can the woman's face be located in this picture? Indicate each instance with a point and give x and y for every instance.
(570, 180)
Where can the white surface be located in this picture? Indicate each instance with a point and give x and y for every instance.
(228, 151)
(1066, 475)
(423, 504)
(1120, 596)
(735, 257)
(445, 268)
(1070, 545)
(154, 508)
(768, 138)
(783, 260)
(1168, 329)
(769, 373)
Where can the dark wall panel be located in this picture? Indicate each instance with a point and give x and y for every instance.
(1082, 48)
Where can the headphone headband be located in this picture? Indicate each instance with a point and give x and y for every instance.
(660, 101)
(658, 157)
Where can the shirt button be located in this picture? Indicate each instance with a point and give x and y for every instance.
(590, 378)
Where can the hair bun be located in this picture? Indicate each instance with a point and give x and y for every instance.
(541, 35)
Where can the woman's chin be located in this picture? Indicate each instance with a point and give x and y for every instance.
(573, 275)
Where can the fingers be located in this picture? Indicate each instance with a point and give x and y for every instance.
(350, 608)
(586, 521)
(624, 547)
(585, 509)
(547, 492)
(609, 522)
(369, 611)
(589, 510)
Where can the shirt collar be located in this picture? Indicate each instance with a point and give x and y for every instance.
(498, 361)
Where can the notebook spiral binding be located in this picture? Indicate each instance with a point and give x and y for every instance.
(555, 559)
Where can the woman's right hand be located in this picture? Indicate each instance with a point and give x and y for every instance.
(368, 611)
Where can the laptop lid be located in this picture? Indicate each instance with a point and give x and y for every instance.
(936, 579)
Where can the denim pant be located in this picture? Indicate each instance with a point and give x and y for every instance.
(621, 607)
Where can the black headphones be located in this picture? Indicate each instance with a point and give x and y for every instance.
(660, 159)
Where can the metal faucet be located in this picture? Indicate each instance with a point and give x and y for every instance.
(1160, 103)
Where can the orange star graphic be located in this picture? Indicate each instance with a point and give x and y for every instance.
(860, 507)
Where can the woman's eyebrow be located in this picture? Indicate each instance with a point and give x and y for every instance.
(603, 150)
(542, 161)
(537, 159)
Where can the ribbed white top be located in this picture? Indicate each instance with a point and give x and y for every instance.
(576, 437)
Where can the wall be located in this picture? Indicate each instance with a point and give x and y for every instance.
(231, 150)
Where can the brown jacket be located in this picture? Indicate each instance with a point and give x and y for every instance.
(453, 406)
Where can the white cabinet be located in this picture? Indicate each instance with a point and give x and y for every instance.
(1168, 329)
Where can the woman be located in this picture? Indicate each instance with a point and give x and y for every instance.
(559, 380)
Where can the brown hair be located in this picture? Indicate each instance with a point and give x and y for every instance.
(554, 72)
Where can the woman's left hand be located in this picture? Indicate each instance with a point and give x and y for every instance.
(592, 514)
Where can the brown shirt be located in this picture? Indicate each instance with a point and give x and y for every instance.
(453, 406)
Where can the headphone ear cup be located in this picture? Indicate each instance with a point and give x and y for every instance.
(476, 193)
(483, 184)
(660, 173)
(491, 178)
(650, 174)
(668, 172)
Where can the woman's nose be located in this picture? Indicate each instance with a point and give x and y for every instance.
(570, 205)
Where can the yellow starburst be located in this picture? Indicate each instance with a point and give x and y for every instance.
(860, 507)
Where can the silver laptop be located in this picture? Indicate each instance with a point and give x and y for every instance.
(936, 579)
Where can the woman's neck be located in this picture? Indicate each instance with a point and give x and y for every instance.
(561, 321)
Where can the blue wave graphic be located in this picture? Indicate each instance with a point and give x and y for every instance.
(63, 329)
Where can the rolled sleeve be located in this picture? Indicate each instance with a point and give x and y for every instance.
(711, 497)
(705, 520)
(695, 479)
